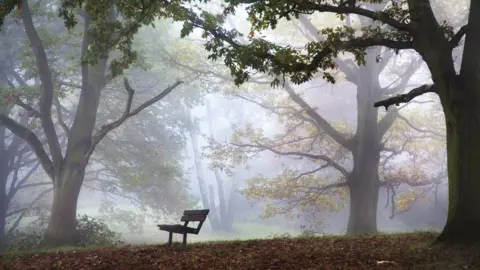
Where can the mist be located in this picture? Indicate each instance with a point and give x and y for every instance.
(300, 159)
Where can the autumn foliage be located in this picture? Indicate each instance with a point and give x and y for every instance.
(401, 251)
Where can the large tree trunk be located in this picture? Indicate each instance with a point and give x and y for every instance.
(463, 146)
(364, 187)
(363, 181)
(62, 227)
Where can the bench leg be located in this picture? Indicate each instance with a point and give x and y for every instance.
(170, 234)
(184, 239)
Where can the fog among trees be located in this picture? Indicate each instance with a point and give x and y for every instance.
(282, 117)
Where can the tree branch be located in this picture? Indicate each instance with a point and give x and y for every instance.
(313, 31)
(128, 113)
(61, 122)
(32, 140)
(15, 188)
(386, 122)
(324, 158)
(321, 123)
(404, 98)
(33, 112)
(23, 211)
(458, 36)
(46, 94)
(70, 84)
(306, 7)
(419, 129)
(302, 69)
(404, 79)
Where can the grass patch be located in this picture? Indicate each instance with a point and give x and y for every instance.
(383, 251)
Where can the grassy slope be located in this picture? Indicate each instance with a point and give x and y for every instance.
(393, 251)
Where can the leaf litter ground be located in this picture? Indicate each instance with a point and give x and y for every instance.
(394, 251)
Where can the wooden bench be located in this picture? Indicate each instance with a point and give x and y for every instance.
(188, 216)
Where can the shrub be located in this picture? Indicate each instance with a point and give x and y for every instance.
(94, 232)
(90, 232)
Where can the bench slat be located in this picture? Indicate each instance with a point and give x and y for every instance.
(177, 228)
(196, 212)
(194, 218)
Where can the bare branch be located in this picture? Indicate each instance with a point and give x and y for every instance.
(32, 140)
(23, 211)
(128, 113)
(404, 98)
(15, 187)
(324, 158)
(70, 84)
(321, 123)
(419, 129)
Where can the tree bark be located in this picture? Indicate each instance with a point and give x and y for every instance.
(364, 188)
(462, 115)
(61, 229)
(363, 181)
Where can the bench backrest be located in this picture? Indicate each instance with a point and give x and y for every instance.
(195, 215)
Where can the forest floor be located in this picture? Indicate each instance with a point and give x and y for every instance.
(384, 251)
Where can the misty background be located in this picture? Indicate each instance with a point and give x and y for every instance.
(211, 144)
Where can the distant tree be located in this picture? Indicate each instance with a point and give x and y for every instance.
(17, 99)
(404, 25)
(297, 115)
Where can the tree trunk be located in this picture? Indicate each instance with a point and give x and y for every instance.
(463, 147)
(222, 214)
(3, 208)
(364, 188)
(231, 207)
(62, 227)
(363, 181)
(213, 214)
(212, 217)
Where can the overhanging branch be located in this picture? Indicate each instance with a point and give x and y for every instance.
(306, 69)
(404, 98)
(306, 7)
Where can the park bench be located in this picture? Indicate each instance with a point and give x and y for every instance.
(188, 216)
